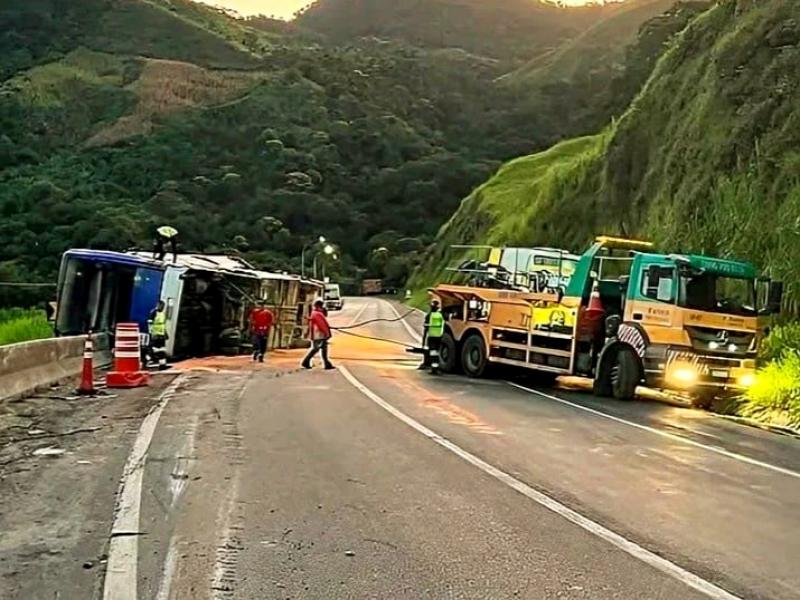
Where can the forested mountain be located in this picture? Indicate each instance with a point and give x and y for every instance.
(704, 159)
(511, 30)
(597, 73)
(248, 136)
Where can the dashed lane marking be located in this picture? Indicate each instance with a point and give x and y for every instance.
(632, 548)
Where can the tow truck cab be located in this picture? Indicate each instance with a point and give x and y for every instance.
(686, 323)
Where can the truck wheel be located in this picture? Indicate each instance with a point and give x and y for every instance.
(473, 356)
(703, 400)
(625, 374)
(602, 387)
(448, 354)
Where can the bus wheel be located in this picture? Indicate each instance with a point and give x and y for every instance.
(625, 374)
(448, 354)
(473, 356)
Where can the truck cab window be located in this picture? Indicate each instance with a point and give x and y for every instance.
(658, 283)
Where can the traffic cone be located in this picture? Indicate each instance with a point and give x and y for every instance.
(86, 386)
(127, 371)
(595, 307)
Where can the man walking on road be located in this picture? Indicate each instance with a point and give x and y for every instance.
(319, 331)
(158, 334)
(434, 330)
(261, 320)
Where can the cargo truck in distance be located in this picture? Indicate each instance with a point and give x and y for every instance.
(371, 287)
(619, 314)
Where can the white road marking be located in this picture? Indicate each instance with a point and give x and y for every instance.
(168, 572)
(671, 436)
(121, 578)
(359, 313)
(624, 544)
(414, 335)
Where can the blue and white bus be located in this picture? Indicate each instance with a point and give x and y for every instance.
(207, 298)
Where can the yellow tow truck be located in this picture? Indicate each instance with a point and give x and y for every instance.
(620, 314)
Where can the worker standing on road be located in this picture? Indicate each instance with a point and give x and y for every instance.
(319, 331)
(261, 320)
(165, 235)
(158, 335)
(434, 330)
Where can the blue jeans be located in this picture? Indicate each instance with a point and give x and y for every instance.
(317, 346)
(259, 346)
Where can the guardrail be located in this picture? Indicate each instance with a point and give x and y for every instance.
(29, 365)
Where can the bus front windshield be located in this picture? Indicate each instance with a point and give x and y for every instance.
(713, 292)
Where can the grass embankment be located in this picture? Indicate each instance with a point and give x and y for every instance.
(22, 325)
(775, 397)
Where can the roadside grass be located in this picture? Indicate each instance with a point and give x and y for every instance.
(775, 397)
(22, 325)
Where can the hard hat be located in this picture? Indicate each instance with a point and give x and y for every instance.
(167, 231)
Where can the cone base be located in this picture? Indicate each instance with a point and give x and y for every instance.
(128, 379)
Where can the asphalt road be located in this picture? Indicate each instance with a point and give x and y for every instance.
(381, 481)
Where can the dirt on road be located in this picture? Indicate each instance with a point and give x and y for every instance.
(61, 456)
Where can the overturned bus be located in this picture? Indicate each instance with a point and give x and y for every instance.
(208, 299)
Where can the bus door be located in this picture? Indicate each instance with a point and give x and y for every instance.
(171, 292)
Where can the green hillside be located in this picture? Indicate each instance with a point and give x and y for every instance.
(601, 46)
(598, 73)
(705, 158)
(512, 30)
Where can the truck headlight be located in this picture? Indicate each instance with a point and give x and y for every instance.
(682, 375)
(747, 380)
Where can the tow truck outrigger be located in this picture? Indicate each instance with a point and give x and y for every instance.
(620, 314)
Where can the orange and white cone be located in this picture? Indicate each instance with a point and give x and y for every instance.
(128, 372)
(86, 386)
(595, 308)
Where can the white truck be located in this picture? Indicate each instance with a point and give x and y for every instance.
(332, 297)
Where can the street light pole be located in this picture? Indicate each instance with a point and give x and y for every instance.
(320, 240)
(328, 250)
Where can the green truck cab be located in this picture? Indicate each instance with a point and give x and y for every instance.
(688, 323)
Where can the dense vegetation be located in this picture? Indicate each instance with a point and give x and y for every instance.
(18, 325)
(598, 73)
(512, 30)
(704, 159)
(255, 137)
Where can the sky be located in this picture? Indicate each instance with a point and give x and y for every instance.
(285, 8)
(280, 8)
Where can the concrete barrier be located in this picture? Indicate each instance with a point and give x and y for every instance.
(29, 365)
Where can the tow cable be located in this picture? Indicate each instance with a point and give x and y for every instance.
(409, 348)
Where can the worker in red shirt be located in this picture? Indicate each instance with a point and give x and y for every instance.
(261, 319)
(319, 331)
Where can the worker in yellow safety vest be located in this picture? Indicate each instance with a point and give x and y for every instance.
(434, 330)
(158, 335)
